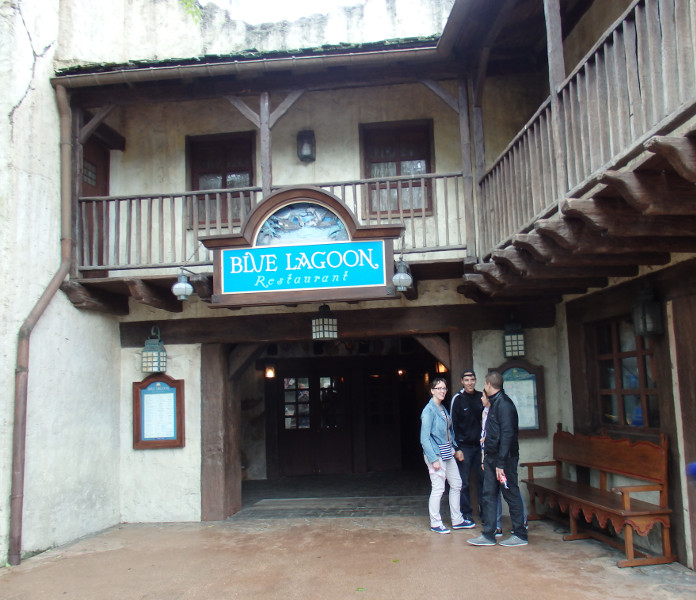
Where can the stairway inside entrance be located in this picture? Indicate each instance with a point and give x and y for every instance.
(397, 493)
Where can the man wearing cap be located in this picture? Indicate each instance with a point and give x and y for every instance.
(466, 409)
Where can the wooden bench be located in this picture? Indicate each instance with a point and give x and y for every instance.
(637, 460)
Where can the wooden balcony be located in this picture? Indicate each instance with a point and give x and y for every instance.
(163, 231)
(600, 180)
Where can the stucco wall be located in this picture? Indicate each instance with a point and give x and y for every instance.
(71, 476)
(155, 157)
(162, 484)
(156, 29)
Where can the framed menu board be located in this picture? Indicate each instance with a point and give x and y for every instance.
(158, 412)
(524, 383)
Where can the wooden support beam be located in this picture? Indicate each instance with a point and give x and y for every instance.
(242, 356)
(545, 250)
(87, 130)
(573, 235)
(615, 218)
(510, 282)
(654, 193)
(95, 299)
(521, 263)
(437, 346)
(149, 295)
(442, 93)
(680, 152)
(203, 286)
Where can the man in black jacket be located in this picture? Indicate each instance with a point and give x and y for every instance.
(501, 455)
(465, 410)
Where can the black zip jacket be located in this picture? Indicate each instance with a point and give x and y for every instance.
(502, 429)
(466, 410)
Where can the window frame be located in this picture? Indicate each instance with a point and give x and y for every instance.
(421, 127)
(194, 145)
(645, 351)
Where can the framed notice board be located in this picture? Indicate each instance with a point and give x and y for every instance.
(158, 412)
(524, 383)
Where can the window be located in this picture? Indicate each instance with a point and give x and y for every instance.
(626, 376)
(401, 151)
(222, 162)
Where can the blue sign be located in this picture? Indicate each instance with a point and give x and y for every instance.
(308, 267)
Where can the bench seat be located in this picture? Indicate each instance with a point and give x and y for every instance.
(617, 507)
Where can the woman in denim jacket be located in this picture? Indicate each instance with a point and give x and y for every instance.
(439, 453)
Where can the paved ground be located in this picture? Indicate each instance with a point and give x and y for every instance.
(332, 548)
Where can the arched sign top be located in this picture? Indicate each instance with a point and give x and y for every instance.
(301, 223)
(277, 205)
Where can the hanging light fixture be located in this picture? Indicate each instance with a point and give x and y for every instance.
(154, 356)
(270, 371)
(324, 325)
(182, 289)
(513, 341)
(402, 279)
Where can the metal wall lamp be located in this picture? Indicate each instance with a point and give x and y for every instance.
(324, 325)
(154, 357)
(647, 314)
(306, 146)
(402, 279)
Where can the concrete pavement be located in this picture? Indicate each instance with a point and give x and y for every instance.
(255, 555)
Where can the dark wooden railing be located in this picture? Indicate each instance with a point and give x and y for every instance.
(636, 82)
(158, 231)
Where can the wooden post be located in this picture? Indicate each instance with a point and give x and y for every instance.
(554, 50)
(467, 171)
(265, 134)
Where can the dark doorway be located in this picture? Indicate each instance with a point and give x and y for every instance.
(347, 414)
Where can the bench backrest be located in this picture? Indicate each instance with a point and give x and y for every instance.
(640, 460)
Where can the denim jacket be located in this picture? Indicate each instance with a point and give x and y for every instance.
(434, 431)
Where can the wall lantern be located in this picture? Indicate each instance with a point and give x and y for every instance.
(270, 371)
(324, 325)
(182, 289)
(306, 146)
(402, 279)
(440, 368)
(154, 356)
(647, 314)
(513, 341)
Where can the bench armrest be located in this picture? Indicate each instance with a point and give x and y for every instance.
(626, 490)
(531, 465)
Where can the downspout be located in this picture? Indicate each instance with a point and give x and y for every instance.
(22, 364)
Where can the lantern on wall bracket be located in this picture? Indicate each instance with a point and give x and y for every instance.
(647, 314)
(306, 146)
(402, 279)
(154, 356)
(324, 325)
(182, 289)
(270, 372)
(514, 345)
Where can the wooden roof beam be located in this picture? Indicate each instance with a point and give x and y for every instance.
(654, 193)
(95, 299)
(616, 218)
(679, 152)
(150, 295)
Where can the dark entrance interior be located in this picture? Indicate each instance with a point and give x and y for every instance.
(356, 411)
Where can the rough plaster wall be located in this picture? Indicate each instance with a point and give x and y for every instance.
(70, 487)
(157, 29)
(155, 159)
(253, 425)
(162, 484)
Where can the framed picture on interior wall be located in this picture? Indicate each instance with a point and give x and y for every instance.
(524, 383)
(158, 412)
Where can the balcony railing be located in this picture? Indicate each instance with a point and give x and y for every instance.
(164, 230)
(633, 84)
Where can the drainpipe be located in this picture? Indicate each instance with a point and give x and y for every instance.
(22, 364)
